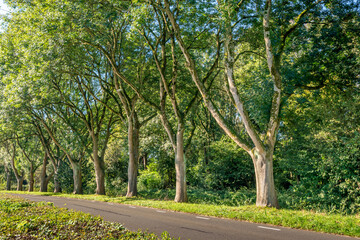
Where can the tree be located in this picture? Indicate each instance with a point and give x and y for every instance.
(19, 174)
(30, 149)
(259, 143)
(44, 177)
(175, 91)
(103, 39)
(8, 177)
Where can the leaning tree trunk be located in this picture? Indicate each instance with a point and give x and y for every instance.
(133, 141)
(180, 167)
(76, 167)
(265, 187)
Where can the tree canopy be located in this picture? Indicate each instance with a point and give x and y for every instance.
(103, 95)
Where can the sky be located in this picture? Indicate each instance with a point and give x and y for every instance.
(3, 7)
(3, 10)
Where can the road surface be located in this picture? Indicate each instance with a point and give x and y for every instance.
(183, 225)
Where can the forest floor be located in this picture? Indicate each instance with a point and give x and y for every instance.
(348, 225)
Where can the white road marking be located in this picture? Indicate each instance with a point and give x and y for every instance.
(269, 228)
(204, 218)
(161, 211)
(132, 207)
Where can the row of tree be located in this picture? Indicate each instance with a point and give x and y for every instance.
(75, 76)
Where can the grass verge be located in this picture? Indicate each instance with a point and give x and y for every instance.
(23, 219)
(321, 222)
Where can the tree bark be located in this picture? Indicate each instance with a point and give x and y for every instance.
(133, 142)
(43, 177)
(19, 181)
(45, 183)
(180, 167)
(19, 178)
(76, 166)
(56, 161)
(57, 186)
(145, 161)
(265, 187)
(31, 178)
(99, 166)
(100, 175)
(8, 178)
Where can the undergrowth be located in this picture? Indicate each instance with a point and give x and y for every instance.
(23, 219)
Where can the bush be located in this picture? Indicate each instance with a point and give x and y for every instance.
(228, 167)
(149, 179)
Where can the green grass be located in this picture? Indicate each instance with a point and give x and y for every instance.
(301, 219)
(23, 219)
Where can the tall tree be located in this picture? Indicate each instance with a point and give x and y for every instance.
(259, 144)
(160, 39)
(19, 173)
(104, 39)
(55, 158)
(30, 149)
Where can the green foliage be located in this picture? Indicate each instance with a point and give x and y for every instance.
(149, 178)
(24, 219)
(65, 177)
(226, 167)
(116, 168)
(54, 71)
(321, 165)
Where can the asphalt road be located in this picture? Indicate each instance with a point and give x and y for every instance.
(183, 225)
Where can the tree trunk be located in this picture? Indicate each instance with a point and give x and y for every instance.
(133, 141)
(56, 165)
(44, 184)
(43, 177)
(76, 167)
(100, 174)
(31, 178)
(180, 167)
(57, 187)
(99, 166)
(8, 178)
(19, 181)
(265, 187)
(19, 178)
(145, 160)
